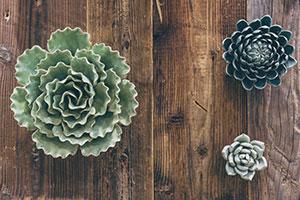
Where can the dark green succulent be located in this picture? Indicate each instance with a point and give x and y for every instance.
(258, 53)
(73, 96)
(244, 157)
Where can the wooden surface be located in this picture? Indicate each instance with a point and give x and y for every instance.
(188, 108)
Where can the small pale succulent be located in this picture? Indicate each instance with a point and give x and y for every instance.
(73, 96)
(258, 53)
(244, 157)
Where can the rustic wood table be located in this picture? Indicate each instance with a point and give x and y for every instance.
(188, 108)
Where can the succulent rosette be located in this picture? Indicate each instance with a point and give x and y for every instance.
(244, 157)
(73, 96)
(258, 53)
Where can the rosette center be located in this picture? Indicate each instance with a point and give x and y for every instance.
(259, 52)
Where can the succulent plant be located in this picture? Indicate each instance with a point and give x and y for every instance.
(258, 53)
(73, 96)
(244, 157)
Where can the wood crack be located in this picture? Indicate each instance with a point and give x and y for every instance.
(200, 106)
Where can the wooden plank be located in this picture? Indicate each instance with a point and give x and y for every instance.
(25, 172)
(127, 172)
(12, 44)
(197, 110)
(274, 113)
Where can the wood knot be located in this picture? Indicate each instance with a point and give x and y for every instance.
(5, 55)
(124, 156)
(126, 44)
(5, 194)
(161, 33)
(202, 150)
(35, 154)
(178, 118)
(114, 24)
(38, 3)
(213, 54)
(162, 183)
(227, 196)
(7, 15)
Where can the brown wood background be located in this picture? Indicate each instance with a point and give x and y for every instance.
(188, 108)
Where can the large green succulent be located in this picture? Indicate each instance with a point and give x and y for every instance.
(74, 95)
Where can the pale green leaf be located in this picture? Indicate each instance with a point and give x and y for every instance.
(79, 130)
(104, 124)
(93, 59)
(39, 110)
(27, 64)
(53, 146)
(59, 132)
(112, 81)
(98, 145)
(21, 109)
(101, 98)
(81, 65)
(72, 121)
(127, 101)
(60, 72)
(52, 58)
(32, 88)
(69, 39)
(112, 59)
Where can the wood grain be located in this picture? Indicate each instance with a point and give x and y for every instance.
(127, 174)
(197, 109)
(124, 172)
(188, 108)
(25, 172)
(274, 114)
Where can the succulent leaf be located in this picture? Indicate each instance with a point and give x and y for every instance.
(266, 20)
(32, 87)
(53, 146)
(112, 59)
(128, 102)
(21, 108)
(59, 132)
(241, 25)
(104, 124)
(112, 82)
(101, 98)
(82, 65)
(98, 145)
(93, 59)
(60, 72)
(69, 39)
(52, 58)
(27, 64)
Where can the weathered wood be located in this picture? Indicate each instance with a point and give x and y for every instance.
(25, 172)
(274, 114)
(197, 109)
(188, 108)
(127, 174)
(124, 172)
